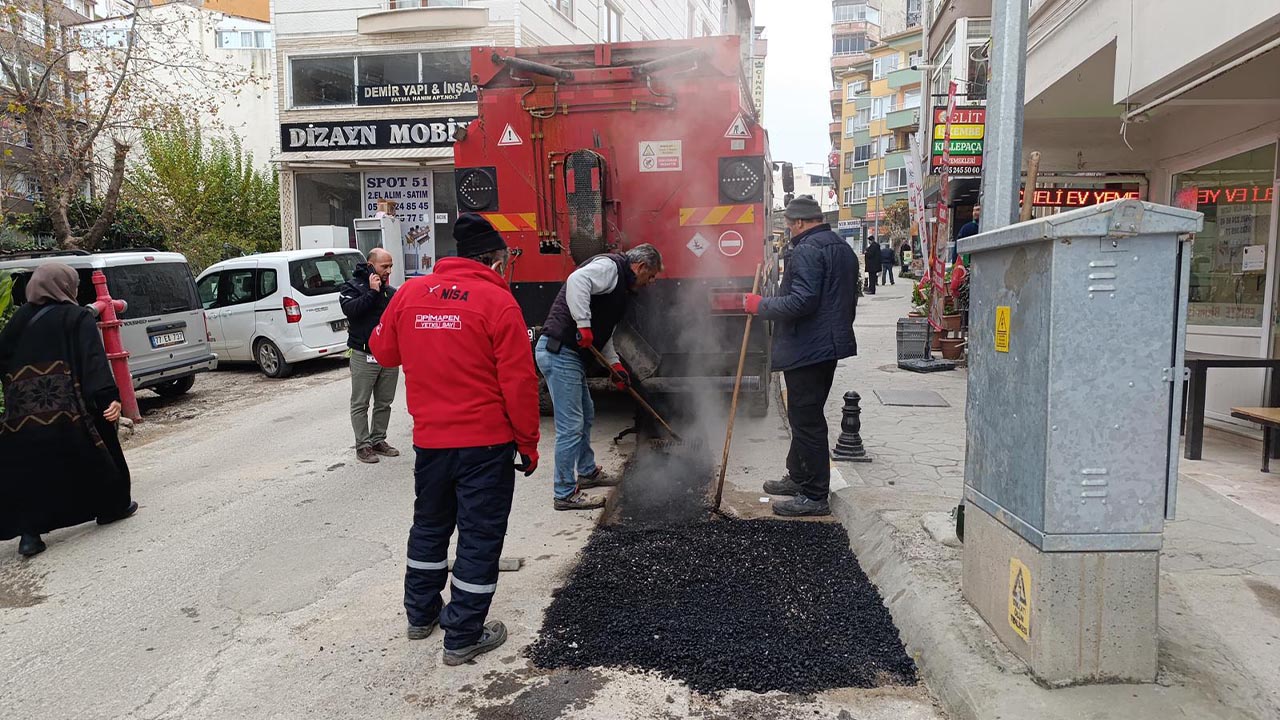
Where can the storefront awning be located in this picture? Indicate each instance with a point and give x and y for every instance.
(398, 157)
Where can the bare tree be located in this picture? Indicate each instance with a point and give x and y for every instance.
(83, 92)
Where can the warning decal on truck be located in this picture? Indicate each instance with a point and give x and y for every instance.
(661, 156)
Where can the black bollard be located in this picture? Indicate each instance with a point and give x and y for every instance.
(849, 444)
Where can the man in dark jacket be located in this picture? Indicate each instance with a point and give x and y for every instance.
(872, 255)
(888, 258)
(363, 298)
(813, 315)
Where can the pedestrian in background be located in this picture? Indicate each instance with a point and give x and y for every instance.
(888, 258)
(364, 298)
(904, 256)
(590, 305)
(872, 258)
(473, 395)
(63, 464)
(813, 315)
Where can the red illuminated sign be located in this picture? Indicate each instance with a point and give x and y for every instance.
(1077, 197)
(1244, 195)
(962, 116)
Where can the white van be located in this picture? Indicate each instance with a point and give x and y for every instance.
(164, 326)
(277, 309)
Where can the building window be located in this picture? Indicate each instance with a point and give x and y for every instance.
(847, 196)
(882, 66)
(848, 160)
(323, 81)
(861, 156)
(564, 7)
(862, 119)
(411, 4)
(873, 187)
(850, 126)
(333, 80)
(244, 39)
(849, 44)
(895, 180)
(1235, 195)
(911, 99)
(854, 11)
(613, 23)
(332, 198)
(693, 18)
(879, 107)
(859, 191)
(854, 89)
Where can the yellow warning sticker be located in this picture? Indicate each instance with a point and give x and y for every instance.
(1002, 328)
(1020, 599)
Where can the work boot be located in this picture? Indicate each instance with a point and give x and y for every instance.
(597, 479)
(128, 512)
(579, 501)
(421, 632)
(366, 454)
(495, 633)
(31, 545)
(785, 486)
(382, 448)
(802, 506)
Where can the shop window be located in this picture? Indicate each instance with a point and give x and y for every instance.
(446, 208)
(328, 199)
(388, 69)
(323, 80)
(1229, 262)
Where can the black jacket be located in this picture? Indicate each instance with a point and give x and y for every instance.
(872, 255)
(362, 306)
(815, 307)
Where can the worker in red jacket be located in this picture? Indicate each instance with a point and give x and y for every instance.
(473, 395)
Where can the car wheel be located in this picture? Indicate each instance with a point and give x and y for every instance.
(175, 388)
(271, 361)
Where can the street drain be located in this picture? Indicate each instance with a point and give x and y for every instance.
(759, 605)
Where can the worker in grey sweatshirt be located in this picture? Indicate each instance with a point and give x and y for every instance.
(590, 304)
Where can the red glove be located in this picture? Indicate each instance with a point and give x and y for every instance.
(751, 303)
(622, 378)
(528, 462)
(585, 338)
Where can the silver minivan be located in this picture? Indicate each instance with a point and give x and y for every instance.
(164, 328)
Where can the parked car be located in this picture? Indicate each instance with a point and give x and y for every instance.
(164, 327)
(277, 309)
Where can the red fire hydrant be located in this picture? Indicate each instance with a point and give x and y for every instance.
(110, 324)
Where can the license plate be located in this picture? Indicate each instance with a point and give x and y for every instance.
(339, 325)
(168, 339)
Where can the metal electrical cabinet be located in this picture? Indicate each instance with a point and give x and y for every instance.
(1076, 341)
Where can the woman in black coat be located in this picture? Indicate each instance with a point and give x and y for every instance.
(63, 464)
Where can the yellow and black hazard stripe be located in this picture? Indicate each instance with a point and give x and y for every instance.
(718, 215)
(512, 222)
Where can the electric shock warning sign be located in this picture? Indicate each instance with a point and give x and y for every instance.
(1003, 317)
(1020, 599)
(661, 156)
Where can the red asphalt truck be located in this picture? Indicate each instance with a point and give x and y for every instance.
(585, 149)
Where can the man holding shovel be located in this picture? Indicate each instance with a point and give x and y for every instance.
(590, 305)
(813, 315)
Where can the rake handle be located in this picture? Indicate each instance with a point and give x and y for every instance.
(737, 387)
(634, 395)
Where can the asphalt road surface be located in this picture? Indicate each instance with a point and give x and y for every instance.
(262, 579)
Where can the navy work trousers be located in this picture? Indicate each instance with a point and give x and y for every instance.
(471, 489)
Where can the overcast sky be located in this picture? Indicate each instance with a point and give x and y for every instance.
(797, 110)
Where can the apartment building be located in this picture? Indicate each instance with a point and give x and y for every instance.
(347, 65)
(862, 58)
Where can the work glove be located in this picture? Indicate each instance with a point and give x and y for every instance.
(585, 338)
(528, 462)
(751, 303)
(621, 378)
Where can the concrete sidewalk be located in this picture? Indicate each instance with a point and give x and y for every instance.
(1220, 570)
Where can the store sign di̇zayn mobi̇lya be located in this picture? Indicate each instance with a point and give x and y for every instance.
(370, 134)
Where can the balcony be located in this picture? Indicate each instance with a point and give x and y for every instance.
(904, 118)
(896, 158)
(904, 77)
(834, 130)
(854, 26)
(844, 62)
(401, 16)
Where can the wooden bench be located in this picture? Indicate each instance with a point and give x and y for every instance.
(1269, 419)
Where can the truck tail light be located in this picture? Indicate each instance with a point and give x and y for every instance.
(292, 310)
